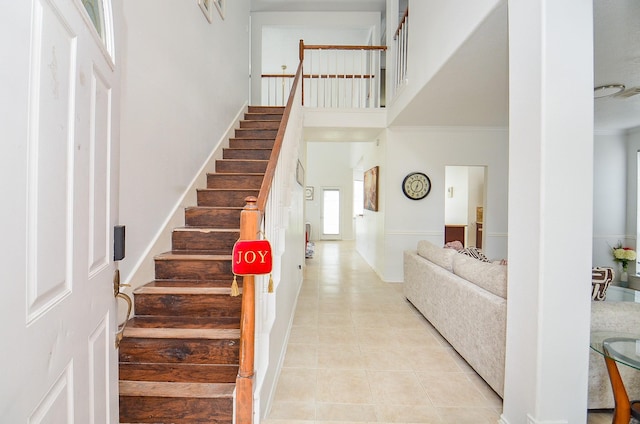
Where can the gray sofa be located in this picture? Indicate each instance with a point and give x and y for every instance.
(466, 301)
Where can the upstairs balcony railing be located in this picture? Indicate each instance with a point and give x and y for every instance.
(401, 44)
(334, 76)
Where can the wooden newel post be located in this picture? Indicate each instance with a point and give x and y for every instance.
(249, 230)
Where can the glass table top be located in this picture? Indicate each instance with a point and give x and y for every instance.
(621, 294)
(623, 348)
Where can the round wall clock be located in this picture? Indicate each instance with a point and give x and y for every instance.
(416, 185)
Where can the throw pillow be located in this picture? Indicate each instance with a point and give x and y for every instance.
(475, 253)
(456, 245)
(600, 280)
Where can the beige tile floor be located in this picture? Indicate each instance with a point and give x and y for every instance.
(359, 352)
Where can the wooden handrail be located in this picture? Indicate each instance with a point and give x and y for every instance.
(348, 76)
(341, 47)
(265, 188)
(250, 223)
(401, 24)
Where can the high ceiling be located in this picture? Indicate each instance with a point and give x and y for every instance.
(616, 60)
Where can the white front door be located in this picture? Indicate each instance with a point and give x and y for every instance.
(330, 214)
(58, 174)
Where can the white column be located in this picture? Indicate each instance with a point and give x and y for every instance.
(550, 210)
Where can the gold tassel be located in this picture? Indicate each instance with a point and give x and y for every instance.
(270, 287)
(234, 287)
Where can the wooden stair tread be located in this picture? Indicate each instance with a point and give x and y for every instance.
(182, 333)
(240, 174)
(189, 256)
(231, 189)
(247, 148)
(244, 160)
(176, 390)
(254, 137)
(207, 229)
(147, 289)
(230, 208)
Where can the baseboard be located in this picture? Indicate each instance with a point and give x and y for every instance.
(144, 270)
(531, 420)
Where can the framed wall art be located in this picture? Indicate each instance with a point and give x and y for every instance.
(371, 189)
(300, 174)
(207, 8)
(220, 5)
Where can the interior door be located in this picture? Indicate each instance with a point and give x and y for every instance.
(58, 169)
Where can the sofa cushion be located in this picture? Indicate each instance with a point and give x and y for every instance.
(436, 254)
(489, 276)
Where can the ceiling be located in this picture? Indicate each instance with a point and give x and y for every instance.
(617, 60)
(472, 88)
(317, 5)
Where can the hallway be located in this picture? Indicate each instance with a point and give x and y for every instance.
(359, 352)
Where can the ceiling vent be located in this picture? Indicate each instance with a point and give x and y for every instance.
(628, 92)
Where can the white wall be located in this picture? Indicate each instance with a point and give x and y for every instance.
(440, 28)
(633, 147)
(181, 89)
(370, 227)
(430, 150)
(456, 206)
(610, 206)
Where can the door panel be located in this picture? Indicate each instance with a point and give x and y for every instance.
(50, 156)
(59, 173)
(99, 173)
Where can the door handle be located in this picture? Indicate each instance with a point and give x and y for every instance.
(118, 294)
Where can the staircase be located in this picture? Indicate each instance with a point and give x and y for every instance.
(179, 354)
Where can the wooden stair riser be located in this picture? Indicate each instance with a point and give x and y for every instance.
(216, 242)
(188, 269)
(183, 305)
(254, 154)
(212, 217)
(251, 143)
(179, 351)
(255, 133)
(262, 116)
(223, 323)
(224, 198)
(237, 181)
(144, 409)
(241, 166)
(266, 109)
(260, 124)
(194, 373)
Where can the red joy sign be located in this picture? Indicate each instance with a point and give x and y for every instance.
(251, 257)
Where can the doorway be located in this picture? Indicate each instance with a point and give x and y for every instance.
(464, 204)
(330, 217)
